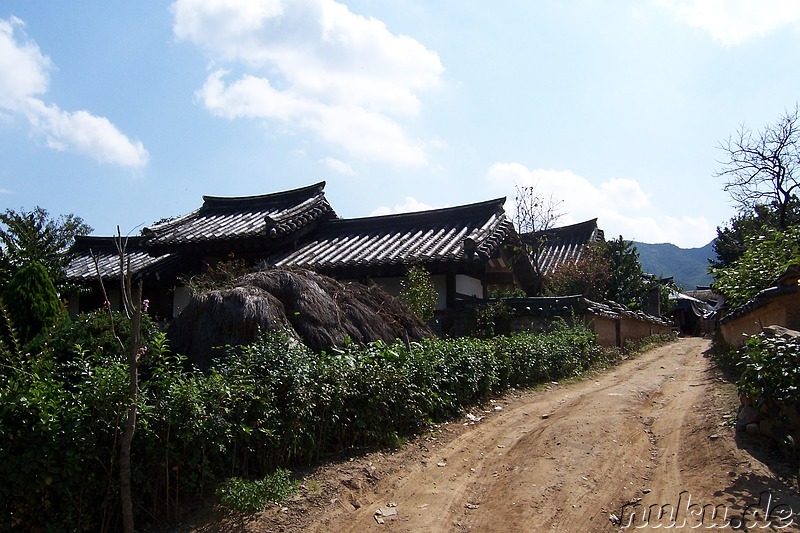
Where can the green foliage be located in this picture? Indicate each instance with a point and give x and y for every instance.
(91, 332)
(490, 319)
(28, 236)
(734, 238)
(765, 259)
(770, 369)
(626, 284)
(588, 276)
(260, 408)
(253, 496)
(419, 293)
(31, 301)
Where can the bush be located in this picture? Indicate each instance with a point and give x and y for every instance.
(770, 369)
(270, 405)
(252, 496)
(31, 301)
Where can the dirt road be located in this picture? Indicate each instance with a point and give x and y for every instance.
(596, 455)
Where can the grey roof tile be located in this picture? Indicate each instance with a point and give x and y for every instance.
(435, 236)
(564, 243)
(87, 249)
(256, 220)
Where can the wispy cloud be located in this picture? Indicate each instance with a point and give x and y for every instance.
(409, 205)
(315, 67)
(732, 22)
(340, 167)
(620, 205)
(24, 79)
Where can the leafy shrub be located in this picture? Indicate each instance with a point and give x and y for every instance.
(770, 369)
(31, 301)
(260, 408)
(419, 293)
(252, 496)
(765, 258)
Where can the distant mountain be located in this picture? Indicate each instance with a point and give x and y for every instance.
(688, 266)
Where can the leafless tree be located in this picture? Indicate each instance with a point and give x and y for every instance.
(534, 214)
(763, 168)
(134, 307)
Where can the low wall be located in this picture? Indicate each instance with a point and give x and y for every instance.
(781, 308)
(613, 324)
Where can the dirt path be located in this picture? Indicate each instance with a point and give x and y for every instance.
(649, 432)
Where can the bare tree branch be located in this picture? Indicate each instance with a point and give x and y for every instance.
(763, 168)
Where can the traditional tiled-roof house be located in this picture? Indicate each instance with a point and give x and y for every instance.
(92, 255)
(467, 249)
(556, 246)
(247, 226)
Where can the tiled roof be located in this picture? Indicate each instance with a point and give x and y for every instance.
(81, 267)
(255, 222)
(470, 233)
(565, 243)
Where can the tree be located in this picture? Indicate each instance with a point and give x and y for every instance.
(419, 293)
(732, 239)
(763, 168)
(28, 236)
(627, 284)
(588, 276)
(31, 301)
(534, 214)
(764, 260)
(134, 307)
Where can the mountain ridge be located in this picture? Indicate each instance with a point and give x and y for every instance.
(687, 266)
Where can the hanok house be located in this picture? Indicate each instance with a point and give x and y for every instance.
(556, 246)
(467, 249)
(96, 265)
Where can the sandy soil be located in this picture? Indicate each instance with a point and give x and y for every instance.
(651, 434)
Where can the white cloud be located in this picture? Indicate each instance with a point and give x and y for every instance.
(620, 205)
(314, 66)
(23, 67)
(23, 77)
(732, 22)
(337, 166)
(409, 205)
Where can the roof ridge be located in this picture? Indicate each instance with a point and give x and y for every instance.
(414, 216)
(221, 201)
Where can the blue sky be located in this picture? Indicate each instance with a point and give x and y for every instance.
(127, 112)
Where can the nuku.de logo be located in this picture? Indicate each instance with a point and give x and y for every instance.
(693, 515)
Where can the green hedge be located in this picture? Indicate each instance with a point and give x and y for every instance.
(263, 407)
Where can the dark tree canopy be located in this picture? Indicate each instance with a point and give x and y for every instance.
(733, 239)
(763, 168)
(27, 236)
(31, 301)
(627, 283)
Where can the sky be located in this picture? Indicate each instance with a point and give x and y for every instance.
(125, 113)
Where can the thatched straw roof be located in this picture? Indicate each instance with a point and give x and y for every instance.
(320, 311)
